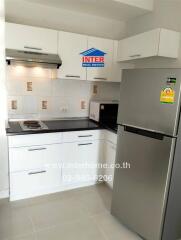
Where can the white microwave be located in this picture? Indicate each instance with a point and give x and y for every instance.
(104, 111)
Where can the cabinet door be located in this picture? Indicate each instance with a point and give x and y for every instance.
(27, 158)
(34, 39)
(35, 182)
(116, 68)
(139, 46)
(69, 48)
(110, 155)
(30, 139)
(86, 135)
(80, 161)
(169, 38)
(101, 73)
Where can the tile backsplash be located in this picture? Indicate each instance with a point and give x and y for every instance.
(35, 93)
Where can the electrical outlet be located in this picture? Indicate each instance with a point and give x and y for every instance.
(83, 105)
(64, 110)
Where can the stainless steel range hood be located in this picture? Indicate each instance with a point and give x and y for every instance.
(32, 59)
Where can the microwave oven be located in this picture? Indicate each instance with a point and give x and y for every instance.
(104, 112)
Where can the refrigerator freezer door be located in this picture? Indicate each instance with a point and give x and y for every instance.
(140, 192)
(140, 103)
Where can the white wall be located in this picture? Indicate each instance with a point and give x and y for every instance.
(166, 14)
(3, 114)
(63, 96)
(18, 11)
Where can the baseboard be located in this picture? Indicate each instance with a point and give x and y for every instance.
(49, 191)
(78, 185)
(4, 194)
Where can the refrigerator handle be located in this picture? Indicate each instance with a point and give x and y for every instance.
(144, 132)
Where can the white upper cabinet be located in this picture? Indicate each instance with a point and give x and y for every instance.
(32, 39)
(101, 73)
(116, 68)
(157, 42)
(69, 48)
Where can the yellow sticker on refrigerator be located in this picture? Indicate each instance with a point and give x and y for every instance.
(167, 95)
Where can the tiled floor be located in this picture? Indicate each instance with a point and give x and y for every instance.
(81, 214)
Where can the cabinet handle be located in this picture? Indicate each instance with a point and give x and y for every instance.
(100, 78)
(39, 172)
(74, 76)
(82, 136)
(33, 48)
(136, 55)
(36, 149)
(84, 144)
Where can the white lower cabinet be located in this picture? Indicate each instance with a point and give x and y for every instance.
(74, 161)
(79, 136)
(33, 157)
(34, 140)
(109, 157)
(110, 146)
(34, 170)
(80, 162)
(35, 182)
(34, 164)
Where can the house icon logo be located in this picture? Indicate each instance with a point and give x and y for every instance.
(93, 58)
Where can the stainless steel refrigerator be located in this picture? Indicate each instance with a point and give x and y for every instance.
(147, 196)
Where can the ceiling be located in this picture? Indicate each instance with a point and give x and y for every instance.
(113, 9)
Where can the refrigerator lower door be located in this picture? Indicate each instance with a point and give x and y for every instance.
(140, 192)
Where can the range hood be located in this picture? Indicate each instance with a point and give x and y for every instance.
(32, 59)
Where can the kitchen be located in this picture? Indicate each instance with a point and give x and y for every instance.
(60, 97)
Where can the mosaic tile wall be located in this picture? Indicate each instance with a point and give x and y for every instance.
(37, 93)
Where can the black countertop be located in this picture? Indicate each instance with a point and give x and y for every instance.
(59, 126)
